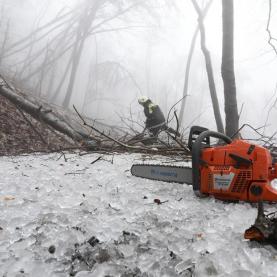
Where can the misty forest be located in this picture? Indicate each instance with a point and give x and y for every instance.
(138, 138)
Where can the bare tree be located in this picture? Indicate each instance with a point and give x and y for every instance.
(66, 37)
(82, 34)
(209, 69)
(88, 27)
(270, 37)
(227, 68)
(3, 47)
(191, 50)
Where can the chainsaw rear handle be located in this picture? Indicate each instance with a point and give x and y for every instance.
(196, 155)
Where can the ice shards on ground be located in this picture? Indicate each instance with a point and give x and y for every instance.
(59, 218)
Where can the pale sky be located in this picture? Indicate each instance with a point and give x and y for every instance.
(157, 58)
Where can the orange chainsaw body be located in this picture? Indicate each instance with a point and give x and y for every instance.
(238, 171)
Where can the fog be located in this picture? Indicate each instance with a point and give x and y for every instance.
(140, 48)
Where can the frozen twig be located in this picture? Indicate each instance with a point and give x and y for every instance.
(107, 136)
(271, 107)
(99, 158)
(177, 125)
(270, 38)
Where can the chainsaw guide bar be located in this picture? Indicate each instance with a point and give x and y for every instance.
(166, 173)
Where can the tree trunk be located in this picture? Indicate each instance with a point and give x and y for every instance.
(191, 50)
(46, 116)
(56, 93)
(209, 70)
(81, 36)
(77, 52)
(185, 90)
(5, 42)
(227, 68)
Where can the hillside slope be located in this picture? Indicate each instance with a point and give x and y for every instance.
(20, 133)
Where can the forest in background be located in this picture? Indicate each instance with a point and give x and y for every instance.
(102, 56)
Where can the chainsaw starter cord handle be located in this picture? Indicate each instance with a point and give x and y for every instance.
(196, 155)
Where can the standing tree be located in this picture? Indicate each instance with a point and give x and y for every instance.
(209, 68)
(227, 68)
(191, 50)
(83, 29)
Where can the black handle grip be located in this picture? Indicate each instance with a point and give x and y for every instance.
(196, 154)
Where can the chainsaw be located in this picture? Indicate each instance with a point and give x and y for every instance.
(231, 170)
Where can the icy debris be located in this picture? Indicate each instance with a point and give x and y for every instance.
(185, 267)
(101, 223)
(93, 241)
(205, 267)
(52, 249)
(114, 270)
(92, 252)
(127, 238)
(241, 273)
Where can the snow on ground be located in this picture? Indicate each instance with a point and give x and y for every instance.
(98, 220)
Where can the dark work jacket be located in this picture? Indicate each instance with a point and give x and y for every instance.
(154, 116)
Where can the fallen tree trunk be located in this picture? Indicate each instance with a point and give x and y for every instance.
(42, 114)
(87, 136)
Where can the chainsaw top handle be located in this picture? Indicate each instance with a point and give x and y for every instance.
(196, 155)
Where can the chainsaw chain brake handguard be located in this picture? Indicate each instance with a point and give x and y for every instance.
(195, 131)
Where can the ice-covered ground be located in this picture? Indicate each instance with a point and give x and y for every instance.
(98, 220)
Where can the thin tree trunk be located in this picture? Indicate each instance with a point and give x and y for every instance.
(43, 73)
(209, 69)
(5, 41)
(77, 52)
(56, 93)
(51, 80)
(26, 42)
(191, 50)
(63, 44)
(50, 62)
(81, 36)
(227, 68)
(86, 29)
